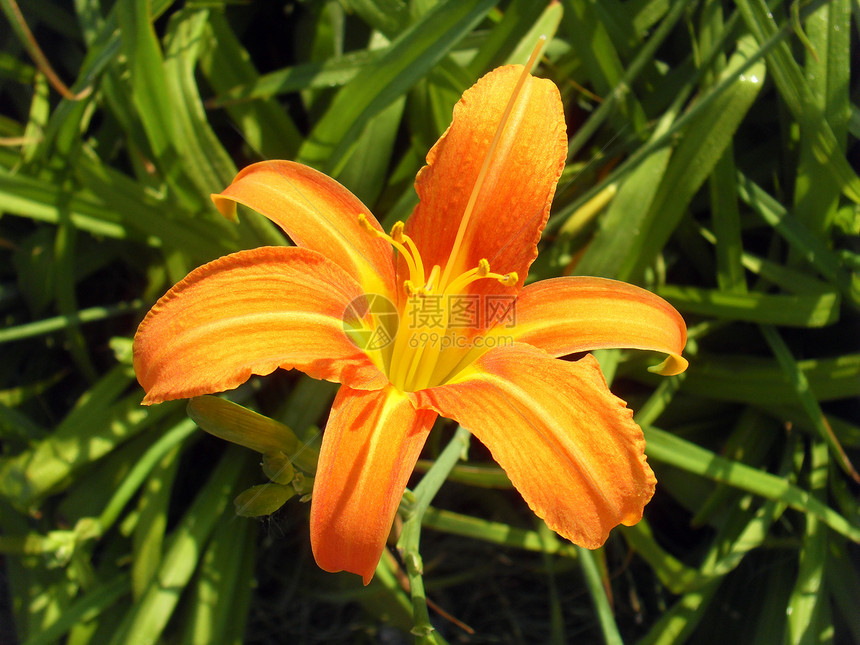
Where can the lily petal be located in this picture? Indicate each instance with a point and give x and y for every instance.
(576, 314)
(514, 201)
(317, 213)
(567, 443)
(369, 448)
(251, 313)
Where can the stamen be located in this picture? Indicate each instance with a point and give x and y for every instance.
(397, 240)
(434, 276)
(365, 224)
(478, 273)
(397, 232)
(510, 279)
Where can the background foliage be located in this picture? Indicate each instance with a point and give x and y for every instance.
(710, 160)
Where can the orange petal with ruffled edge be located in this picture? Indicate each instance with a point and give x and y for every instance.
(568, 445)
(317, 213)
(577, 314)
(514, 201)
(369, 448)
(250, 313)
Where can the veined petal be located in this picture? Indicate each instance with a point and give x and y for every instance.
(514, 200)
(369, 448)
(317, 213)
(567, 443)
(577, 314)
(251, 313)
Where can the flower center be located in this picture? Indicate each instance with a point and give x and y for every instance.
(425, 332)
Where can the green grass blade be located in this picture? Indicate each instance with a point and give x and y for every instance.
(759, 381)
(495, 532)
(265, 126)
(411, 55)
(673, 450)
(598, 596)
(222, 585)
(703, 143)
(87, 608)
(147, 619)
(800, 98)
(806, 310)
(806, 603)
(149, 531)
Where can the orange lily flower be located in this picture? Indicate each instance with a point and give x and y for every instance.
(330, 307)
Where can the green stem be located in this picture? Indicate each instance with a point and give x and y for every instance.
(410, 538)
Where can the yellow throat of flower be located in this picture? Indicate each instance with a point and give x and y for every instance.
(412, 362)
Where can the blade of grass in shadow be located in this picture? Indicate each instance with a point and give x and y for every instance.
(827, 70)
(204, 159)
(101, 421)
(702, 144)
(667, 448)
(217, 609)
(804, 310)
(495, 532)
(265, 126)
(843, 583)
(151, 97)
(808, 246)
(505, 36)
(808, 401)
(411, 55)
(151, 524)
(602, 64)
(145, 621)
(678, 577)
(87, 608)
(799, 97)
(594, 581)
(806, 603)
(760, 381)
(333, 72)
(676, 625)
(365, 170)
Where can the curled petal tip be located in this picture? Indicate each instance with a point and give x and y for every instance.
(674, 364)
(227, 207)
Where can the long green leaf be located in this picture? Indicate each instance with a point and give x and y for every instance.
(411, 55)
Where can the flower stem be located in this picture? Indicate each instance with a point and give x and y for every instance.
(410, 537)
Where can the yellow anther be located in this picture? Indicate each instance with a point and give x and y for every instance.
(367, 226)
(510, 279)
(402, 243)
(458, 284)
